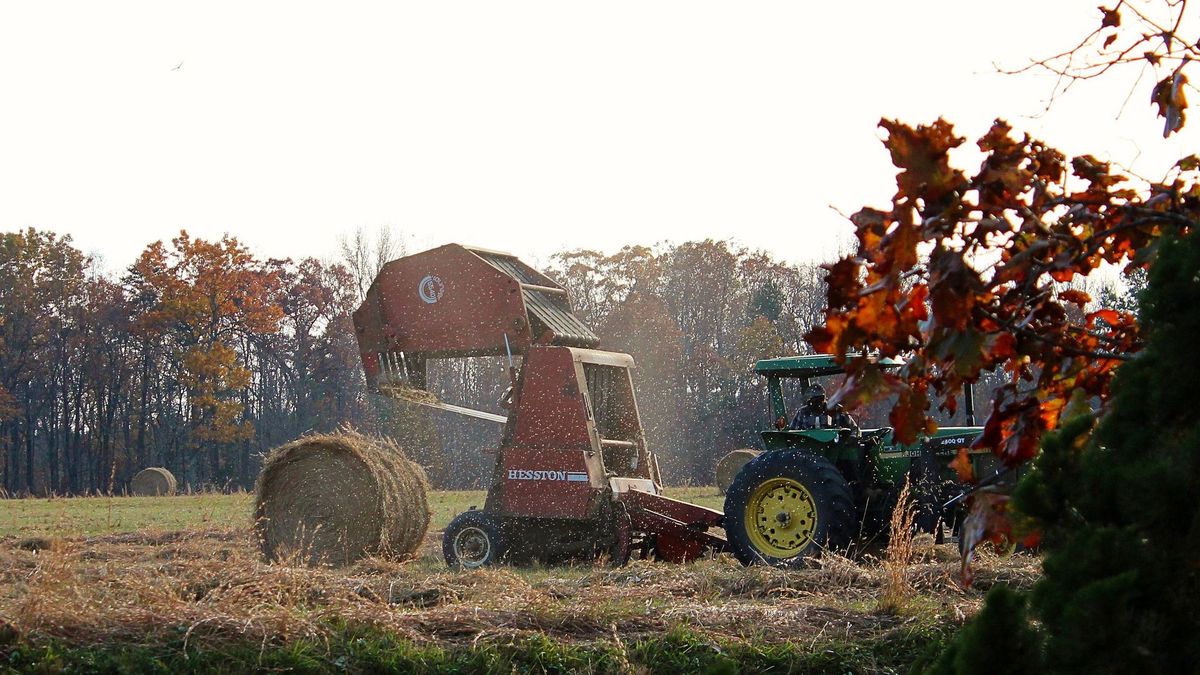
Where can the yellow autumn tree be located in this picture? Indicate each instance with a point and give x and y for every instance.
(202, 300)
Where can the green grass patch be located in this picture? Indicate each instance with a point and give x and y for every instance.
(370, 651)
(89, 516)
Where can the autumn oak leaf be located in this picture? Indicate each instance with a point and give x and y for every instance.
(922, 154)
(1168, 95)
(908, 416)
(843, 283)
(962, 466)
(1075, 297)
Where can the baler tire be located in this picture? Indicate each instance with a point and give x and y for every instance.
(474, 539)
(809, 481)
(729, 465)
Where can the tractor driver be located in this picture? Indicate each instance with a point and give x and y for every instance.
(816, 413)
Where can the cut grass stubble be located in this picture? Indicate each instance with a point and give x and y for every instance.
(207, 590)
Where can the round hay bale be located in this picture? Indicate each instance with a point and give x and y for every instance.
(332, 499)
(729, 466)
(153, 482)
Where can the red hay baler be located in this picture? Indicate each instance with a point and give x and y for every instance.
(572, 476)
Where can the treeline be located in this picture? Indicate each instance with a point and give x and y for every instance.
(197, 358)
(201, 356)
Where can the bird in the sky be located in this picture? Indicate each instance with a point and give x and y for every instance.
(178, 66)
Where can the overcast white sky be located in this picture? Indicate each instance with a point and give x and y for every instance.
(524, 126)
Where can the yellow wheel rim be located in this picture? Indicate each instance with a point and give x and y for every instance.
(781, 518)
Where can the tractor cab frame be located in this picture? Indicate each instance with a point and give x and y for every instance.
(873, 446)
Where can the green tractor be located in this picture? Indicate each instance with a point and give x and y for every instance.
(820, 481)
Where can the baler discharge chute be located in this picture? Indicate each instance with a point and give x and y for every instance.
(454, 302)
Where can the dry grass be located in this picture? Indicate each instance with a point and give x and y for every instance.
(897, 590)
(211, 586)
(98, 575)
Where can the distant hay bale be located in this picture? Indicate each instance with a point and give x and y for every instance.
(332, 499)
(153, 482)
(729, 466)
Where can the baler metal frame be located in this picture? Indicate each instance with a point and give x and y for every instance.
(572, 474)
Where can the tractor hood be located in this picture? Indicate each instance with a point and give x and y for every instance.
(954, 435)
(944, 441)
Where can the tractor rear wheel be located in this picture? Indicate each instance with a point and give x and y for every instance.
(473, 540)
(786, 506)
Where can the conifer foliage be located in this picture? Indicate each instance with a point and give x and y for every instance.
(1120, 509)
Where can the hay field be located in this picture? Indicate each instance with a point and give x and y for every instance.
(79, 516)
(176, 585)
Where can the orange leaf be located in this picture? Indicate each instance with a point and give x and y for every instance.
(1075, 296)
(923, 155)
(1062, 276)
(963, 467)
(908, 415)
(1109, 316)
(1004, 346)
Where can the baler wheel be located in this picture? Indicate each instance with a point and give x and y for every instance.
(786, 506)
(728, 466)
(473, 540)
